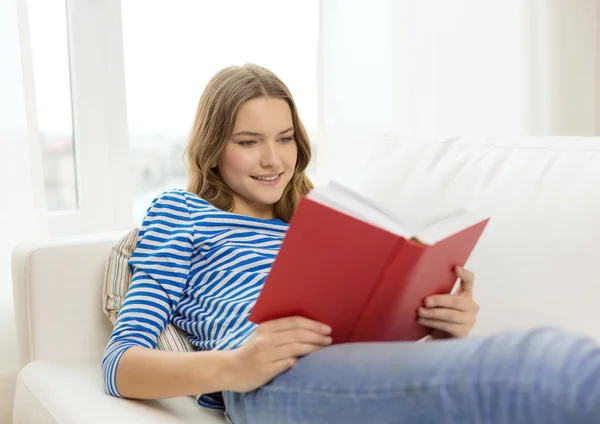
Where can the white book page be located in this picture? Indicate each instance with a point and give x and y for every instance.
(346, 201)
(447, 225)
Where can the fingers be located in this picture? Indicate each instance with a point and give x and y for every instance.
(292, 337)
(452, 316)
(283, 365)
(456, 330)
(294, 350)
(460, 303)
(301, 336)
(467, 279)
(292, 323)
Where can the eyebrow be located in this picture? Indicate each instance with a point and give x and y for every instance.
(255, 134)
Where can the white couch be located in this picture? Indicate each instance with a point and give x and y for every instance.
(62, 333)
(537, 264)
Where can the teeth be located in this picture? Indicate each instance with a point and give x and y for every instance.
(267, 178)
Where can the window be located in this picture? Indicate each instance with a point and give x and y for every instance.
(50, 54)
(78, 82)
(172, 49)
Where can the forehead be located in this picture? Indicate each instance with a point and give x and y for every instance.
(263, 114)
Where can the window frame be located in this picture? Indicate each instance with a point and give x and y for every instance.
(103, 167)
(100, 133)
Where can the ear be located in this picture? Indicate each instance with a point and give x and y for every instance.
(213, 165)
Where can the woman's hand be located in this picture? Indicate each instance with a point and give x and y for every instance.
(451, 315)
(273, 348)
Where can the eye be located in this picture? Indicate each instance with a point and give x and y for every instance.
(246, 143)
(287, 139)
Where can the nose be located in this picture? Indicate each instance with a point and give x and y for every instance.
(270, 157)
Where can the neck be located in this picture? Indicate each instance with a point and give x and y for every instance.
(259, 211)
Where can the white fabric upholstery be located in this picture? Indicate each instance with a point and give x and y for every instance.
(54, 393)
(57, 288)
(62, 333)
(538, 262)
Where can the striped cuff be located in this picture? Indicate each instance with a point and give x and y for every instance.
(109, 367)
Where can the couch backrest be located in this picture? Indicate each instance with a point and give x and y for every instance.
(538, 262)
(57, 294)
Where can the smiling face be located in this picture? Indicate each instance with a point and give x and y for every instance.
(259, 158)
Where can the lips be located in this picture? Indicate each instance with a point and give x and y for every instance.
(271, 179)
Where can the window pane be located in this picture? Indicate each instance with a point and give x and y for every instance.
(171, 51)
(50, 52)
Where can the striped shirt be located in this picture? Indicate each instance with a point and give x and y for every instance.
(199, 267)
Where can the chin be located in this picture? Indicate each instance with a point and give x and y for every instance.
(271, 200)
(266, 196)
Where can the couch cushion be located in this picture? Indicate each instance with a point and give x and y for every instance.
(537, 262)
(117, 278)
(53, 393)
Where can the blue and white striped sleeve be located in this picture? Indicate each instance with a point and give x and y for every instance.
(160, 266)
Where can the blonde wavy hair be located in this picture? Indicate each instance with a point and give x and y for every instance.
(215, 118)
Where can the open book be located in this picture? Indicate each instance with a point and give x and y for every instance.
(356, 267)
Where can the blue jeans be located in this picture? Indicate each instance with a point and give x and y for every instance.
(537, 376)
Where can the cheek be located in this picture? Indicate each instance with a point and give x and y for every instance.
(234, 162)
(291, 156)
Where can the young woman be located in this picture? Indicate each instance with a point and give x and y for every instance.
(203, 255)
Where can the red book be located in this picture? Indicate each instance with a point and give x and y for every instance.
(347, 263)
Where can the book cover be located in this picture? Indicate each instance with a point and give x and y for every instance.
(363, 281)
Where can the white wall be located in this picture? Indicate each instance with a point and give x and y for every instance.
(19, 207)
(8, 364)
(570, 59)
(598, 67)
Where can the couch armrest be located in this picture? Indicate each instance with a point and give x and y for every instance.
(51, 393)
(57, 295)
